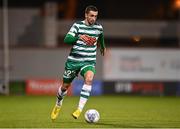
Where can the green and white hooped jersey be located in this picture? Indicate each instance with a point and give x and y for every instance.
(80, 51)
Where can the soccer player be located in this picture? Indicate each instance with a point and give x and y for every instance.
(83, 36)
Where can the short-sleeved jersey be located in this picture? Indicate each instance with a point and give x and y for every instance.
(80, 51)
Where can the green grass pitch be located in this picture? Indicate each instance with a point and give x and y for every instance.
(115, 112)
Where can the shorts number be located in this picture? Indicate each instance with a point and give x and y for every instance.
(69, 73)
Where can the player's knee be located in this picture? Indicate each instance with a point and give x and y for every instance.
(89, 77)
(88, 81)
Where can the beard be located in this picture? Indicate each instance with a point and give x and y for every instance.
(91, 22)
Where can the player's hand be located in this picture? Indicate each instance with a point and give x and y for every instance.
(103, 51)
(88, 40)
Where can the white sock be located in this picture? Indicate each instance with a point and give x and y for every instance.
(60, 96)
(85, 93)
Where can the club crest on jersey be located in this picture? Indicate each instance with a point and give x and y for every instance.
(97, 32)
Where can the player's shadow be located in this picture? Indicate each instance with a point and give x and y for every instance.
(106, 124)
(119, 125)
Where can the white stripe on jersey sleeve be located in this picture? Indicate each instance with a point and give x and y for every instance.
(74, 30)
(71, 33)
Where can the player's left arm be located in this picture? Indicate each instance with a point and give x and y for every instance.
(102, 44)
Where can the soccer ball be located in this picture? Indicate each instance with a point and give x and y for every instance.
(92, 116)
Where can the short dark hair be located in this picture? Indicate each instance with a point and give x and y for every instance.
(91, 8)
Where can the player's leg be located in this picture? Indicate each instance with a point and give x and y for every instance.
(88, 74)
(68, 77)
(62, 91)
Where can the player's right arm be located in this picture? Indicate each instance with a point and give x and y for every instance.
(69, 39)
(72, 36)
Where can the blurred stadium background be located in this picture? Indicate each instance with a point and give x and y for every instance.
(142, 39)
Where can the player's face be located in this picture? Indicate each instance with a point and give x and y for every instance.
(91, 17)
